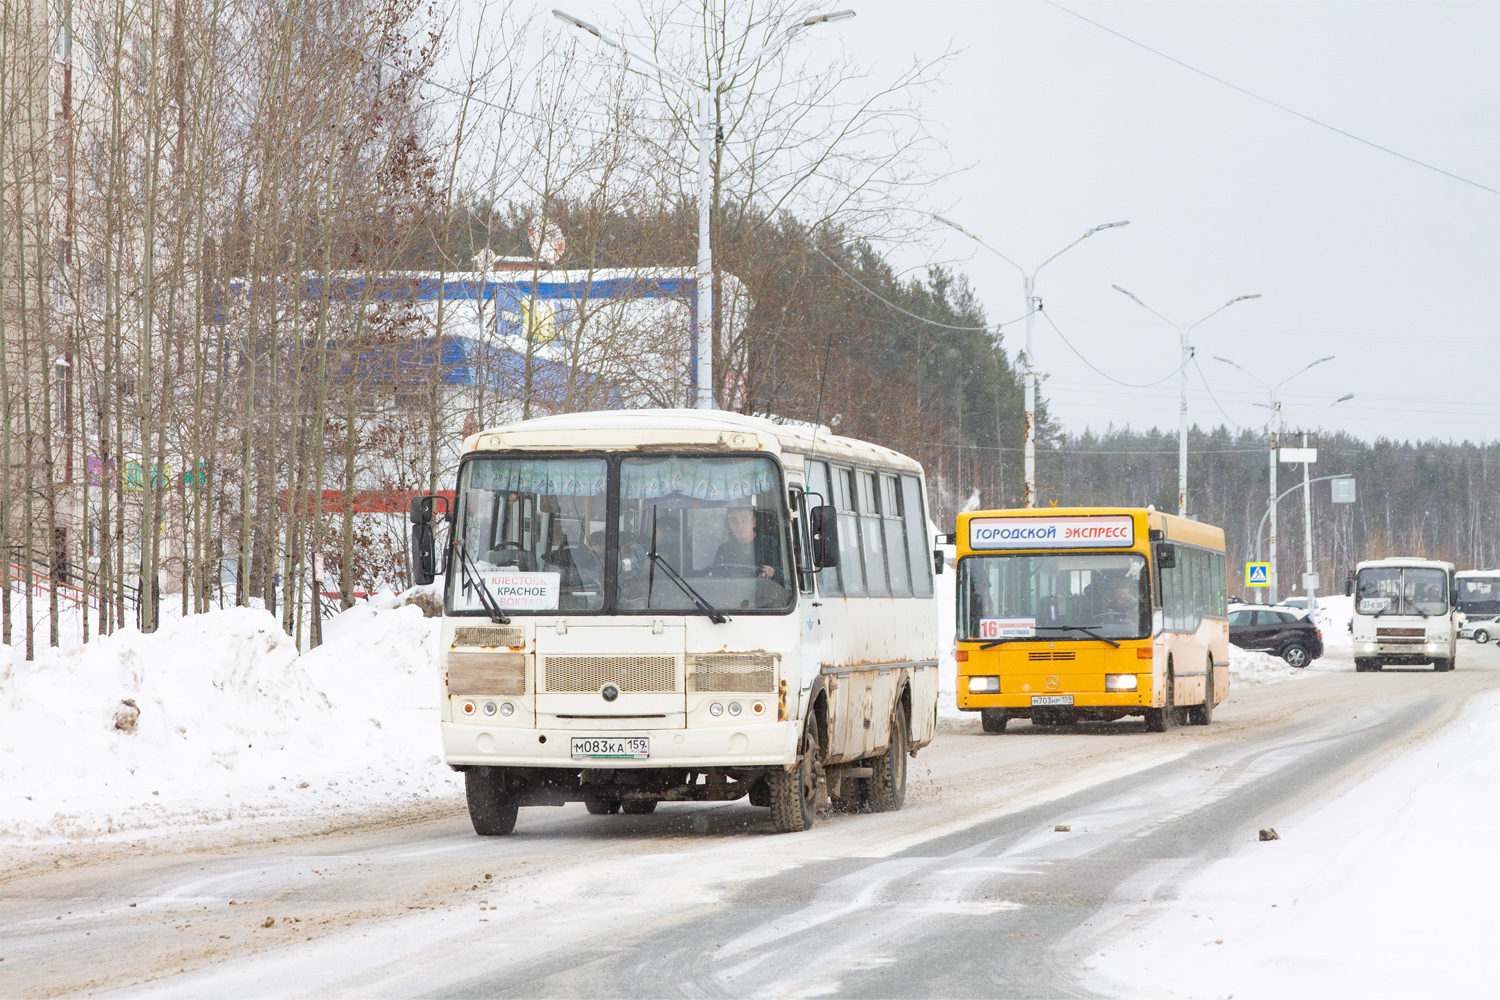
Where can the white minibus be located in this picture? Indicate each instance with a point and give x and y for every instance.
(648, 606)
(1403, 613)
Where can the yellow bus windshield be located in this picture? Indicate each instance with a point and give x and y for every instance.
(1025, 595)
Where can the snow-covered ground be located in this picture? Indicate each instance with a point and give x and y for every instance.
(1387, 891)
(233, 724)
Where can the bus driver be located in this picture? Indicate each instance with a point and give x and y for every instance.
(746, 551)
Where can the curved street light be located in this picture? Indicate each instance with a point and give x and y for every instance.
(704, 93)
(1184, 334)
(1276, 414)
(1029, 283)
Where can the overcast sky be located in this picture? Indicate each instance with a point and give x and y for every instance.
(1393, 268)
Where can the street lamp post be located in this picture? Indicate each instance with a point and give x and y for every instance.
(1183, 333)
(1307, 533)
(1275, 407)
(703, 95)
(1029, 284)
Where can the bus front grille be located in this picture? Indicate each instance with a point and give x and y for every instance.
(732, 671)
(489, 638)
(1055, 655)
(628, 673)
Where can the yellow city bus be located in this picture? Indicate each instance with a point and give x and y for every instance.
(1090, 613)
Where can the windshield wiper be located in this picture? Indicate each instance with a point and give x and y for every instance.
(714, 614)
(491, 606)
(1086, 630)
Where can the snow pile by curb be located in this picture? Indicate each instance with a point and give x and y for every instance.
(229, 724)
(1251, 668)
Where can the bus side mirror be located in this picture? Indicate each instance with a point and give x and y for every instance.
(1348, 588)
(937, 562)
(825, 537)
(423, 549)
(1166, 555)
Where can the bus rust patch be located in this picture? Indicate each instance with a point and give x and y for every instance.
(781, 701)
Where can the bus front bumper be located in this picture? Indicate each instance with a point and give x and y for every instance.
(1417, 652)
(1081, 699)
(768, 744)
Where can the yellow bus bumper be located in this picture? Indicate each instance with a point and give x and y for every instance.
(1017, 690)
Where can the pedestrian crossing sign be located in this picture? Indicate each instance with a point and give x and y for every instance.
(1258, 574)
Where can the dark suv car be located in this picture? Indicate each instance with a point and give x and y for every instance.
(1278, 631)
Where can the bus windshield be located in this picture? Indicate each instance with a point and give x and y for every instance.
(536, 532)
(1055, 594)
(1479, 595)
(717, 522)
(1394, 590)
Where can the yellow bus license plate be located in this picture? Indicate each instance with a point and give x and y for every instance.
(1051, 699)
(612, 747)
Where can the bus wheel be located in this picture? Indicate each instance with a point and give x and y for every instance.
(490, 809)
(794, 793)
(598, 807)
(1202, 715)
(853, 796)
(1159, 720)
(638, 807)
(888, 783)
(1442, 666)
(993, 720)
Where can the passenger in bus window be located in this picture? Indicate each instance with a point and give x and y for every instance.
(746, 552)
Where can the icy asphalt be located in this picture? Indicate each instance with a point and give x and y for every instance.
(972, 890)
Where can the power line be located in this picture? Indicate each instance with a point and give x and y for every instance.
(1133, 385)
(1274, 104)
(905, 312)
(1212, 396)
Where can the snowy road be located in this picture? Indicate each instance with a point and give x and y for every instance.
(970, 890)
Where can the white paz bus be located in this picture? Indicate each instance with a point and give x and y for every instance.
(682, 605)
(1404, 611)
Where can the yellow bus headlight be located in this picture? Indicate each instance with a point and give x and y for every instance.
(1119, 682)
(984, 685)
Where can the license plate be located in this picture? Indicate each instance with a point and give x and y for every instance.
(1052, 699)
(612, 747)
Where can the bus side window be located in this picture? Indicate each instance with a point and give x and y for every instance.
(801, 541)
(918, 543)
(1171, 586)
(892, 519)
(1200, 587)
(850, 560)
(820, 491)
(871, 533)
(1220, 586)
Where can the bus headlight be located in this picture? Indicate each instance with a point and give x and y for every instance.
(1119, 682)
(984, 685)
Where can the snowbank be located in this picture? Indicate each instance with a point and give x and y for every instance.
(233, 724)
(1387, 891)
(1251, 668)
